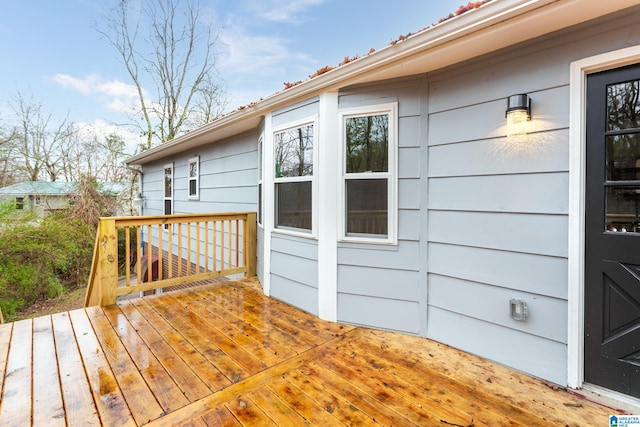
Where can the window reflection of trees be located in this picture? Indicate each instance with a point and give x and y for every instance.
(367, 143)
(294, 152)
(623, 156)
(623, 114)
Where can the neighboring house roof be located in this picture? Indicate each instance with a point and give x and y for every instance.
(483, 29)
(56, 188)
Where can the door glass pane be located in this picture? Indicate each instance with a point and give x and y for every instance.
(367, 143)
(623, 106)
(623, 157)
(623, 207)
(366, 201)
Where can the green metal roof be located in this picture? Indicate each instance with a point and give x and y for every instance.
(57, 188)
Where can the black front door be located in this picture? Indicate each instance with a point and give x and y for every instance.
(612, 272)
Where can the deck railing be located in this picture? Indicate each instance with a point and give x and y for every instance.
(139, 254)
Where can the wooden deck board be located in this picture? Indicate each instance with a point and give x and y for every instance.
(107, 395)
(191, 386)
(79, 408)
(168, 376)
(16, 393)
(226, 355)
(5, 343)
(48, 409)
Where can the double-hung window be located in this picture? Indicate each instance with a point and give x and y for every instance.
(194, 178)
(293, 177)
(369, 177)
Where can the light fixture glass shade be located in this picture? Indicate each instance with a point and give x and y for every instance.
(518, 116)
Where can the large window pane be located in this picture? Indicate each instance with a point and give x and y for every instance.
(623, 157)
(623, 209)
(367, 143)
(367, 211)
(293, 204)
(168, 180)
(294, 152)
(623, 106)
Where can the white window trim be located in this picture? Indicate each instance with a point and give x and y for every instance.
(577, 167)
(313, 233)
(192, 160)
(392, 185)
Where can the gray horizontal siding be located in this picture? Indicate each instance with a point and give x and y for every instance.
(524, 193)
(294, 112)
(527, 233)
(490, 304)
(537, 356)
(543, 275)
(389, 314)
(380, 282)
(404, 256)
(295, 293)
(294, 271)
(489, 157)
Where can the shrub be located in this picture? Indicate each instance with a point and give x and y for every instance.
(40, 260)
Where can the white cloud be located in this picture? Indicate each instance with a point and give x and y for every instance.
(114, 94)
(101, 128)
(284, 10)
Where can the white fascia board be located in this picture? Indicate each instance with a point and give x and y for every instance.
(495, 25)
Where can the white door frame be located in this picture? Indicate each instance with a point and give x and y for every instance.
(577, 165)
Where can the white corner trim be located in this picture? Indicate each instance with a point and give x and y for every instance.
(327, 228)
(267, 203)
(577, 165)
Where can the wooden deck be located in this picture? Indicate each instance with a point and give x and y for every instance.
(225, 355)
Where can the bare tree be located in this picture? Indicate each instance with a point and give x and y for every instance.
(167, 43)
(38, 140)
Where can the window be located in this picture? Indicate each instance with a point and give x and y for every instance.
(369, 178)
(168, 191)
(19, 203)
(294, 153)
(194, 178)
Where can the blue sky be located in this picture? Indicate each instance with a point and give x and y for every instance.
(52, 52)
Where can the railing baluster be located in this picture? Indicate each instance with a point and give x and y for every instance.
(206, 245)
(198, 270)
(139, 254)
(160, 239)
(237, 243)
(127, 256)
(170, 252)
(215, 246)
(230, 253)
(149, 253)
(179, 249)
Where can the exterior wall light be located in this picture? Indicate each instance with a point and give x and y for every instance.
(518, 114)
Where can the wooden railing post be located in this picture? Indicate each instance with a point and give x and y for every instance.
(250, 242)
(108, 261)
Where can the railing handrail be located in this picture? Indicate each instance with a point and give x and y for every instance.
(224, 249)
